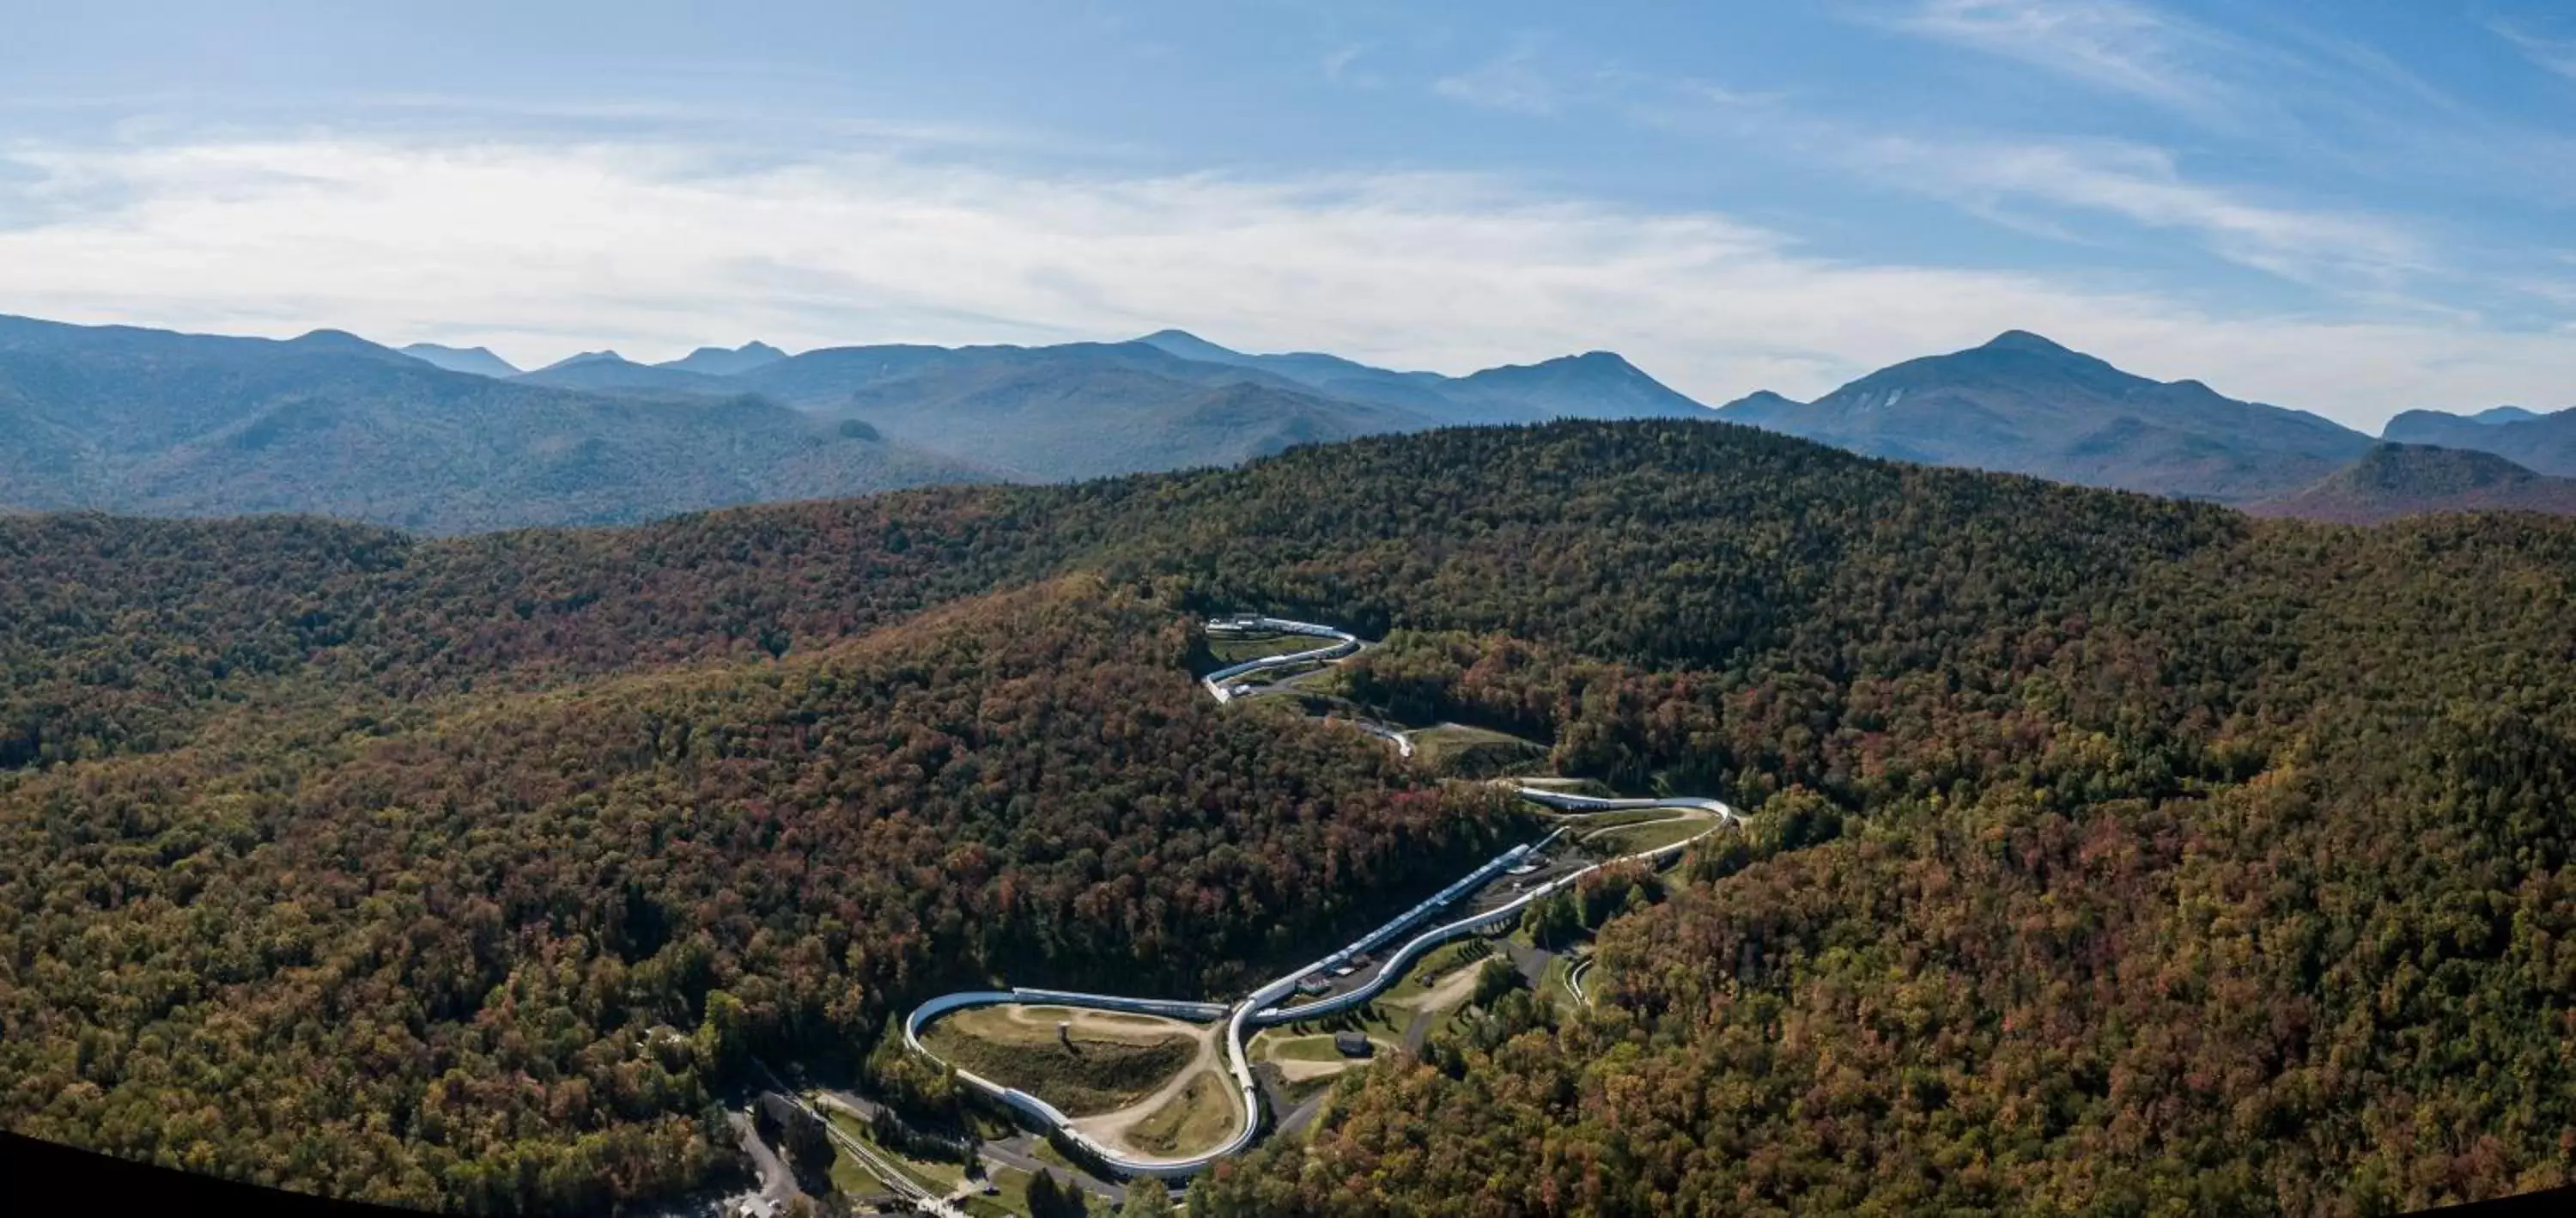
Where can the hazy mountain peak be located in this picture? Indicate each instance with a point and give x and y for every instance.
(1594, 385)
(2393, 480)
(721, 361)
(333, 340)
(1761, 408)
(2024, 340)
(586, 357)
(2028, 405)
(1189, 346)
(2542, 442)
(476, 360)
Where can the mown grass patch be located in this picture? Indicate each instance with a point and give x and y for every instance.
(1459, 751)
(936, 1176)
(1235, 649)
(1435, 966)
(1637, 839)
(1199, 1118)
(1101, 1067)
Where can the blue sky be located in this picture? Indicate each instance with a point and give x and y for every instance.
(2352, 207)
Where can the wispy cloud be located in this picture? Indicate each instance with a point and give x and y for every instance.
(2111, 44)
(2144, 185)
(652, 248)
(1340, 67)
(1513, 82)
(2556, 54)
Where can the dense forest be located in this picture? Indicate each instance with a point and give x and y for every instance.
(2113, 854)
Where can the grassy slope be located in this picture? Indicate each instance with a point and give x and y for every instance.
(1090, 1077)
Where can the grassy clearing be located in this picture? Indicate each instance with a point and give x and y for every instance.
(1313, 1041)
(1570, 786)
(850, 1179)
(1198, 1118)
(1384, 1023)
(1551, 981)
(1235, 649)
(1047, 1153)
(1296, 1091)
(937, 1176)
(1640, 838)
(1011, 1202)
(1317, 1048)
(1590, 821)
(1460, 751)
(1108, 1063)
(1035, 1026)
(1434, 967)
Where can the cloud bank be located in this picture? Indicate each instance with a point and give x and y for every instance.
(542, 249)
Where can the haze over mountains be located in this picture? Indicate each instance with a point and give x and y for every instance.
(2545, 443)
(2027, 405)
(2024, 404)
(445, 439)
(478, 360)
(154, 423)
(2394, 480)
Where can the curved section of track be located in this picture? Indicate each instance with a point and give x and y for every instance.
(1223, 683)
(1261, 1008)
(1048, 1115)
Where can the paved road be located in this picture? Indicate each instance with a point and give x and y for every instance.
(1531, 961)
(886, 1172)
(1018, 1150)
(777, 1184)
(1418, 1029)
(1021, 1152)
(1303, 1115)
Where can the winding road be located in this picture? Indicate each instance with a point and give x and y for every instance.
(1262, 1008)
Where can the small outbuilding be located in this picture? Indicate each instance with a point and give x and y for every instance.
(1353, 1044)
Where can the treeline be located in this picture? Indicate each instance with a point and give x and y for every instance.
(2240, 888)
(2112, 854)
(1653, 543)
(505, 960)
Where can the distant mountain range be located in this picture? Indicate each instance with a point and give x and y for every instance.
(446, 439)
(1169, 400)
(718, 361)
(2023, 404)
(154, 423)
(2542, 442)
(477, 360)
(1599, 385)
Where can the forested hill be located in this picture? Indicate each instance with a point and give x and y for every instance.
(2112, 854)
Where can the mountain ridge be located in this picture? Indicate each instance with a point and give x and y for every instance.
(722, 361)
(2545, 443)
(2396, 480)
(2022, 403)
(1596, 384)
(145, 421)
(480, 361)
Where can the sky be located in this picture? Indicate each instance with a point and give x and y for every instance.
(2354, 207)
